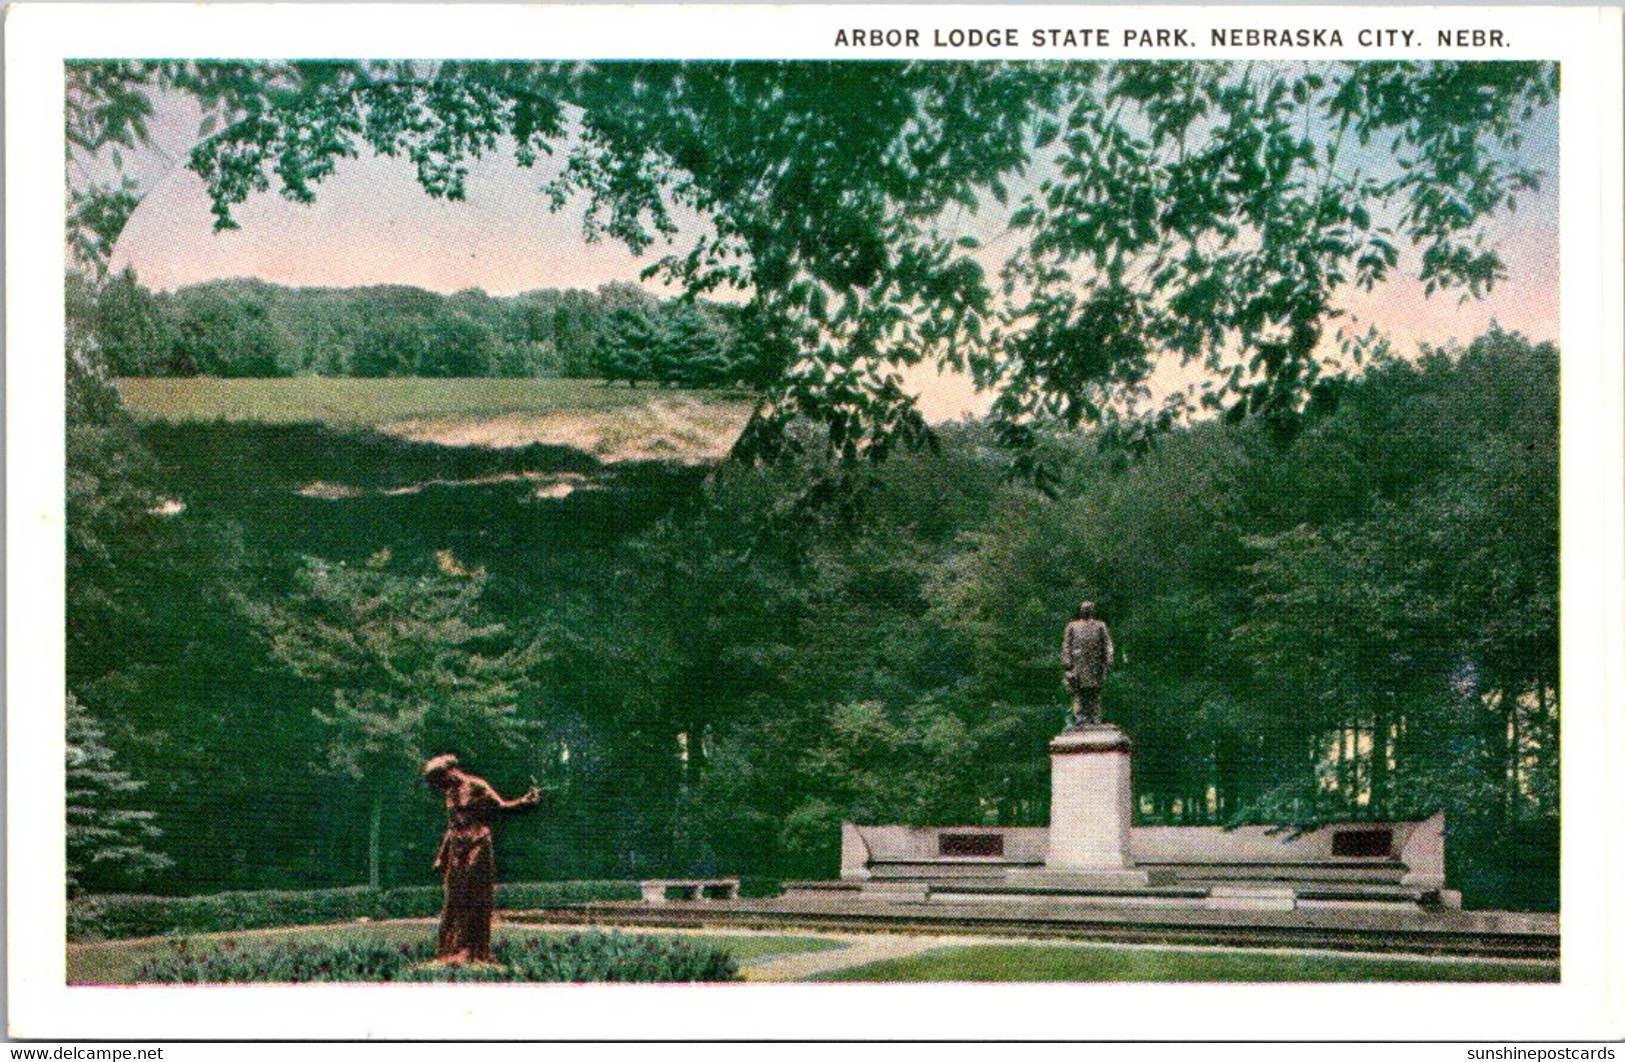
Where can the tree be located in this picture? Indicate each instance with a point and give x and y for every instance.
(111, 492)
(102, 833)
(629, 346)
(693, 351)
(411, 669)
(1211, 212)
(389, 347)
(228, 329)
(1216, 211)
(455, 345)
(134, 332)
(1408, 650)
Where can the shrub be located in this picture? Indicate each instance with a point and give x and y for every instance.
(231, 962)
(578, 957)
(616, 957)
(758, 887)
(114, 916)
(525, 895)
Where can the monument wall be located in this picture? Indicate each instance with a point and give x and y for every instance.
(1412, 853)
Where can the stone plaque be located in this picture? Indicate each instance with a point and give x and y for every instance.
(1366, 843)
(970, 844)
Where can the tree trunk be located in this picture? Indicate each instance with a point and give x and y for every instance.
(375, 827)
(1382, 736)
(1515, 739)
(1347, 779)
(1501, 751)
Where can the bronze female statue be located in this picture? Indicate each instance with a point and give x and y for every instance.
(467, 858)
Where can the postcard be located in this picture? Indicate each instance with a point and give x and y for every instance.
(814, 522)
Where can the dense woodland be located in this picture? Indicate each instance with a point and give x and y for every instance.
(251, 328)
(1332, 574)
(711, 669)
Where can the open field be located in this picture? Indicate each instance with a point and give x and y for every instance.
(354, 402)
(1081, 962)
(116, 962)
(613, 423)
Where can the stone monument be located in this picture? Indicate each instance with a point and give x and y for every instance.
(1091, 791)
(1381, 874)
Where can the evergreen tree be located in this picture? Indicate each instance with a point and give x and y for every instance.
(631, 347)
(692, 352)
(102, 833)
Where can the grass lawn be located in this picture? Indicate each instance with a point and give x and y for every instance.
(115, 962)
(1080, 962)
(357, 403)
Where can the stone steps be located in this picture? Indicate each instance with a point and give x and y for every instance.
(1414, 930)
(1384, 873)
(1216, 894)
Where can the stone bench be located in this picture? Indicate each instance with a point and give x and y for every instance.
(655, 889)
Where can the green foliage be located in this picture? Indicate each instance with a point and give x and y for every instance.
(456, 346)
(116, 916)
(250, 328)
(390, 347)
(111, 478)
(1443, 601)
(1214, 212)
(677, 344)
(581, 957)
(100, 830)
(1358, 622)
(135, 332)
(410, 666)
(220, 331)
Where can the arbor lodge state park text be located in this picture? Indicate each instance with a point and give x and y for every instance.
(1100, 37)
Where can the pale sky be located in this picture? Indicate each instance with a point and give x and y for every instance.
(372, 224)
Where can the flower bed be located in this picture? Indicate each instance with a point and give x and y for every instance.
(579, 957)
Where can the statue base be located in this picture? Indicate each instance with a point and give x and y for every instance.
(1102, 881)
(1091, 807)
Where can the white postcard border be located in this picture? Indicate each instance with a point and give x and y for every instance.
(1588, 1002)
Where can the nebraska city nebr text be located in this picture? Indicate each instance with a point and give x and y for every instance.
(1162, 38)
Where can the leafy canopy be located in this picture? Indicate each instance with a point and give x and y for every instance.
(411, 668)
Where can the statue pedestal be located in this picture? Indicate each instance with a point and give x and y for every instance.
(1091, 806)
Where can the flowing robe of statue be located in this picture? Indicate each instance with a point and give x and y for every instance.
(467, 859)
(1086, 657)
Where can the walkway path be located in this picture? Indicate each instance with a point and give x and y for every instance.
(860, 950)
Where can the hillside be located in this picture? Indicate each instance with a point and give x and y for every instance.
(611, 423)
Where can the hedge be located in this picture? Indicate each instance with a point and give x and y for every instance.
(109, 917)
(590, 956)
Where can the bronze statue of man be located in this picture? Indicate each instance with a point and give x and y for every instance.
(467, 858)
(1086, 656)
